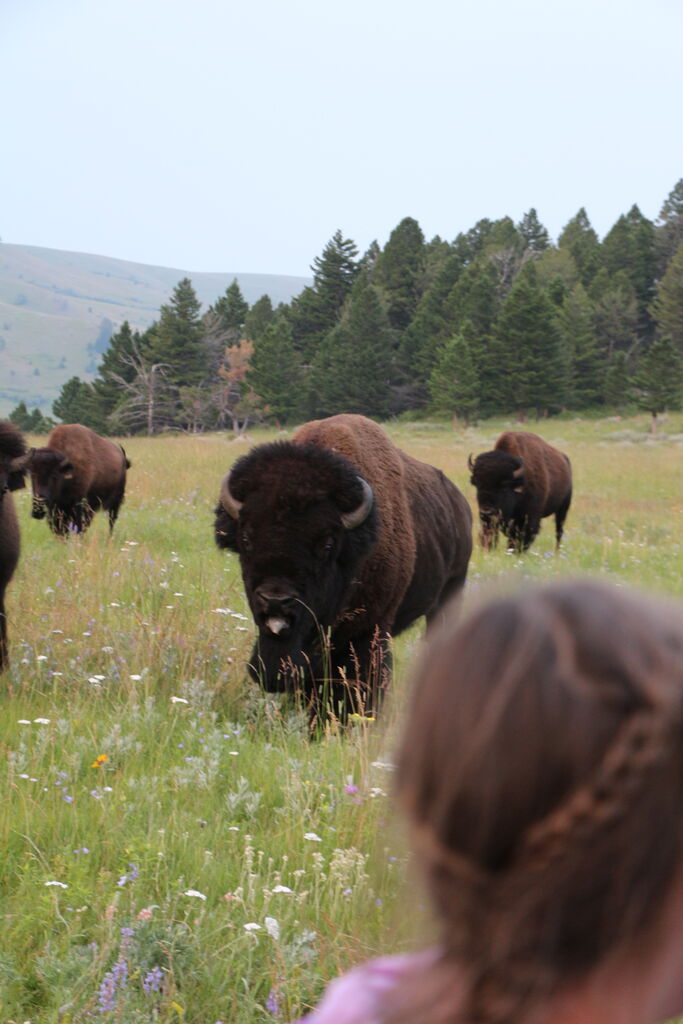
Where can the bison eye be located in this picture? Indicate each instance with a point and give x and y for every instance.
(245, 541)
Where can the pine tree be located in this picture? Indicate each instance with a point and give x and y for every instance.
(615, 312)
(669, 228)
(224, 324)
(629, 246)
(587, 363)
(618, 388)
(258, 318)
(536, 237)
(400, 271)
(318, 308)
(30, 422)
(529, 340)
(454, 382)
(352, 370)
(115, 361)
(430, 327)
(77, 403)
(275, 374)
(659, 379)
(579, 238)
(668, 305)
(178, 338)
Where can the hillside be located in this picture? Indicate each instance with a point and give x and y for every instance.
(58, 308)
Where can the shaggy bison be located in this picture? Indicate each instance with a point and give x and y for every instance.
(518, 483)
(343, 539)
(74, 475)
(13, 459)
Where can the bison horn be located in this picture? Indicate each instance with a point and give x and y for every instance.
(470, 462)
(518, 472)
(19, 464)
(358, 515)
(230, 504)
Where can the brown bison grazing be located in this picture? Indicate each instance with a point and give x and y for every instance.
(518, 483)
(13, 460)
(341, 537)
(74, 475)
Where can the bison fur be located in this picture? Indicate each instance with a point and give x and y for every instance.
(74, 475)
(343, 540)
(520, 482)
(13, 460)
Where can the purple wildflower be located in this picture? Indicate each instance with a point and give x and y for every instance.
(106, 999)
(273, 1003)
(153, 981)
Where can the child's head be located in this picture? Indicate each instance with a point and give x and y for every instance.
(542, 773)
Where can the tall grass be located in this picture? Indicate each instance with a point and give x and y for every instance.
(175, 845)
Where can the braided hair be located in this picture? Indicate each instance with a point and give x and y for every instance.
(541, 770)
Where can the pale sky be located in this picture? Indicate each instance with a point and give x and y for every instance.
(213, 135)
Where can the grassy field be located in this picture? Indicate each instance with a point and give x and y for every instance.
(176, 848)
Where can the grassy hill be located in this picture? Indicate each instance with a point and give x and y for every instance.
(57, 309)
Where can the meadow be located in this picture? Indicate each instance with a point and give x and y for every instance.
(175, 846)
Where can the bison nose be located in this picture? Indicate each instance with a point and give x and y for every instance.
(276, 609)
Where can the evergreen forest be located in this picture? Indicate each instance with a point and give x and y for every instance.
(501, 320)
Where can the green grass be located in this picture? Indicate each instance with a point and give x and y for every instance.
(216, 792)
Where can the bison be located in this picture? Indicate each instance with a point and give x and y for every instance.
(343, 540)
(74, 475)
(13, 459)
(518, 483)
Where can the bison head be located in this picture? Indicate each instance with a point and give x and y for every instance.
(499, 480)
(302, 520)
(51, 477)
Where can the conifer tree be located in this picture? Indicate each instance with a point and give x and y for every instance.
(275, 374)
(536, 237)
(430, 327)
(454, 381)
(258, 318)
(669, 228)
(579, 238)
(529, 340)
(400, 271)
(115, 365)
(618, 388)
(178, 338)
(77, 403)
(668, 305)
(318, 308)
(658, 380)
(352, 370)
(615, 312)
(629, 246)
(224, 324)
(587, 363)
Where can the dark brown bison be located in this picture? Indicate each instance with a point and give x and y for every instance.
(343, 540)
(74, 475)
(518, 483)
(13, 459)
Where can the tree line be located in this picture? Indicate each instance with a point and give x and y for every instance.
(500, 320)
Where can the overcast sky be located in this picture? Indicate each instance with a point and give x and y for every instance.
(223, 136)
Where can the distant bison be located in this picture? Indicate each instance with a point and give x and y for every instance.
(520, 482)
(13, 459)
(343, 536)
(74, 475)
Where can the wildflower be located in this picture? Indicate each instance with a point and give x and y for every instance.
(145, 914)
(100, 760)
(136, 677)
(272, 1003)
(61, 885)
(42, 721)
(282, 888)
(24, 721)
(195, 892)
(252, 926)
(179, 700)
(273, 928)
(153, 981)
(130, 876)
(351, 789)
(312, 837)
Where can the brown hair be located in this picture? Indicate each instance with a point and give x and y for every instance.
(542, 774)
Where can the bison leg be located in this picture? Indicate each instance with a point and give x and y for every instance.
(560, 517)
(113, 510)
(361, 675)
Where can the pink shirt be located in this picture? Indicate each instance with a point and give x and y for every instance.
(358, 997)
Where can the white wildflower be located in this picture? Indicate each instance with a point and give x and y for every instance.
(273, 928)
(252, 926)
(312, 837)
(42, 721)
(61, 885)
(282, 888)
(195, 892)
(179, 700)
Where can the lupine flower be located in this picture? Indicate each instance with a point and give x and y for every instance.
(153, 981)
(273, 1003)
